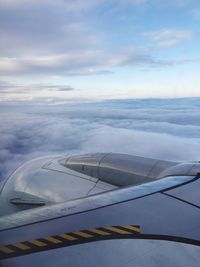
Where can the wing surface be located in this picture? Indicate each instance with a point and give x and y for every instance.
(154, 224)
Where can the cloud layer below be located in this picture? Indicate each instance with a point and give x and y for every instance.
(166, 129)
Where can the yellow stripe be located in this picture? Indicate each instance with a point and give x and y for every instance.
(68, 237)
(5, 249)
(21, 246)
(100, 232)
(53, 240)
(136, 229)
(117, 230)
(37, 243)
(82, 234)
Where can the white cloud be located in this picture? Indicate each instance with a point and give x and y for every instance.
(6, 87)
(87, 62)
(44, 91)
(168, 37)
(59, 37)
(166, 129)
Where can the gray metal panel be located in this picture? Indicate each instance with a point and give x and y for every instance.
(159, 166)
(191, 168)
(57, 167)
(89, 203)
(58, 187)
(189, 192)
(114, 253)
(175, 219)
(118, 169)
(156, 214)
(46, 180)
(87, 164)
(123, 170)
(121, 178)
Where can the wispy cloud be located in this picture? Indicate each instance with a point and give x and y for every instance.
(160, 4)
(6, 87)
(57, 37)
(77, 63)
(168, 37)
(196, 13)
(45, 92)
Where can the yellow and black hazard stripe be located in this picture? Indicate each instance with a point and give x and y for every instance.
(68, 239)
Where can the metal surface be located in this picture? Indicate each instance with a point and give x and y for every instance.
(157, 215)
(165, 211)
(118, 169)
(45, 180)
(68, 239)
(189, 193)
(90, 203)
(116, 253)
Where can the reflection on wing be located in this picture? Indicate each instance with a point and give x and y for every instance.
(164, 208)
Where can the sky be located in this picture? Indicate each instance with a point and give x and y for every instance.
(99, 76)
(99, 49)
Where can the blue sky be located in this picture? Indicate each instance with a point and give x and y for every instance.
(97, 49)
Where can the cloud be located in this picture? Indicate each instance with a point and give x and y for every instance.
(196, 13)
(44, 91)
(78, 4)
(77, 63)
(6, 87)
(174, 3)
(67, 4)
(158, 4)
(63, 88)
(168, 37)
(85, 63)
(43, 38)
(166, 129)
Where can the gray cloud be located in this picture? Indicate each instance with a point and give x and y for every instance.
(58, 37)
(9, 88)
(167, 129)
(84, 63)
(196, 13)
(62, 88)
(169, 37)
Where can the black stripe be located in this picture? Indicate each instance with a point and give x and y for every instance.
(176, 186)
(170, 238)
(92, 233)
(2, 255)
(110, 237)
(128, 230)
(49, 242)
(27, 244)
(182, 200)
(12, 247)
(107, 230)
(73, 235)
(16, 252)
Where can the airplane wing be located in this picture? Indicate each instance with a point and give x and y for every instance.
(152, 221)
